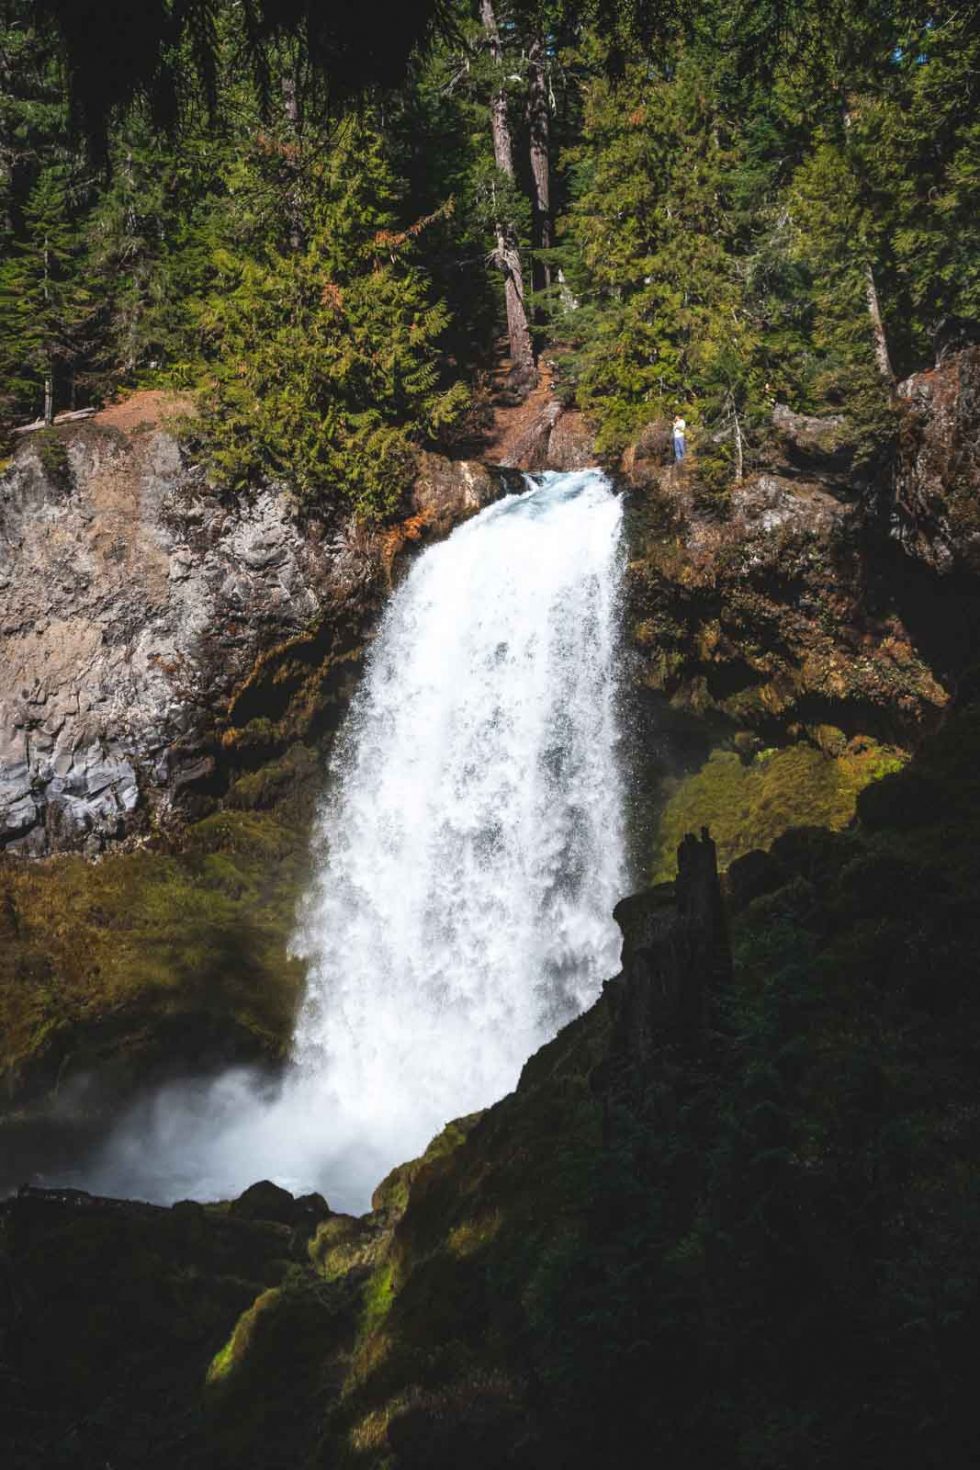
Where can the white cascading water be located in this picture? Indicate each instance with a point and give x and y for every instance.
(470, 853)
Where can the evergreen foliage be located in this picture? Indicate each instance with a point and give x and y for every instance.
(757, 200)
(44, 301)
(324, 362)
(734, 195)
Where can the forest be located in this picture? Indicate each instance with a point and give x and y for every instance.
(705, 210)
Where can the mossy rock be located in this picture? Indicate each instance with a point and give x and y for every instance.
(391, 1195)
(99, 960)
(345, 1244)
(748, 803)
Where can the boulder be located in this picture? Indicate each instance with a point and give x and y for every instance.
(935, 514)
(267, 1201)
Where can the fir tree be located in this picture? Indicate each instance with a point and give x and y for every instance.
(44, 300)
(325, 358)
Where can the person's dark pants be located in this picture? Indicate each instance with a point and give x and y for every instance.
(680, 448)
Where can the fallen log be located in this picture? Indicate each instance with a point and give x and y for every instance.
(59, 418)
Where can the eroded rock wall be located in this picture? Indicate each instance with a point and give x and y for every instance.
(145, 619)
(936, 512)
(779, 606)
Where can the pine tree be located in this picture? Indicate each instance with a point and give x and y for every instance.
(650, 257)
(44, 300)
(325, 358)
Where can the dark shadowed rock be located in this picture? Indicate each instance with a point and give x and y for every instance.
(750, 877)
(808, 443)
(267, 1201)
(675, 952)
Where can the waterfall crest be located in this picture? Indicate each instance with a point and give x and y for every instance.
(468, 854)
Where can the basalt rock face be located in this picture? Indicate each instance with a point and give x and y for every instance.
(134, 604)
(148, 624)
(936, 513)
(779, 606)
(770, 614)
(793, 637)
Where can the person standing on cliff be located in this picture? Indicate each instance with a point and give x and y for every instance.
(680, 440)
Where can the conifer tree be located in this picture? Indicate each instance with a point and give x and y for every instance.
(44, 300)
(325, 358)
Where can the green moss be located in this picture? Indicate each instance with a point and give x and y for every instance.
(378, 1293)
(231, 1355)
(101, 953)
(344, 1244)
(748, 804)
(273, 783)
(391, 1195)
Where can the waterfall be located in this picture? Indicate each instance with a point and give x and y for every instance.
(472, 849)
(469, 854)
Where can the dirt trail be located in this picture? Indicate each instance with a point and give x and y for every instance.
(147, 407)
(517, 428)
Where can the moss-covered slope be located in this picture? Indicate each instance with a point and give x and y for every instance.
(726, 1222)
(755, 1246)
(161, 956)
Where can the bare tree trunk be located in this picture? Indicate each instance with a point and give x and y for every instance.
(294, 204)
(49, 366)
(507, 255)
(878, 327)
(539, 129)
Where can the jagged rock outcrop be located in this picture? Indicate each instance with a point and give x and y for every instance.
(936, 511)
(146, 620)
(554, 438)
(794, 636)
(770, 615)
(676, 954)
(540, 432)
(775, 605)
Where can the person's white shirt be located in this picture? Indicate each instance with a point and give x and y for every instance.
(679, 426)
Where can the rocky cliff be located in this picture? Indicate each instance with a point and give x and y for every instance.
(801, 631)
(147, 623)
(172, 668)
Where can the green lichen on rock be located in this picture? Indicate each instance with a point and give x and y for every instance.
(747, 804)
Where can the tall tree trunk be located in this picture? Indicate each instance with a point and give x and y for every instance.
(539, 126)
(49, 364)
(507, 256)
(878, 327)
(294, 202)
